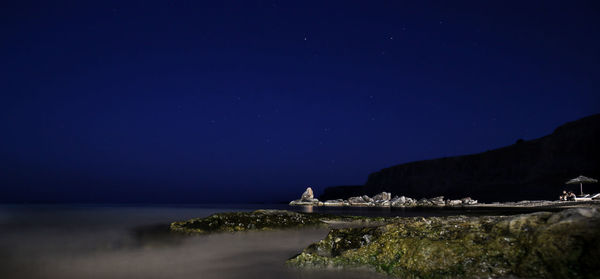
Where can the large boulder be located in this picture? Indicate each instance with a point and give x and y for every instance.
(307, 198)
(308, 195)
(398, 201)
(438, 201)
(402, 201)
(357, 201)
(383, 196)
(367, 198)
(539, 245)
(453, 202)
(423, 202)
(468, 201)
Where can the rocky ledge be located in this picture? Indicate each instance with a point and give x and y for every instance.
(383, 199)
(268, 219)
(244, 221)
(565, 244)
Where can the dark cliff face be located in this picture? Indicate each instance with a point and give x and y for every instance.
(536, 169)
(340, 192)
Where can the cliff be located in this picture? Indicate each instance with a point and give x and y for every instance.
(342, 192)
(526, 170)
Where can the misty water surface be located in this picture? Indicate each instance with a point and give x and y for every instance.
(130, 242)
(60, 241)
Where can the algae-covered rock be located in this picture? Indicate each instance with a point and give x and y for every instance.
(542, 245)
(243, 221)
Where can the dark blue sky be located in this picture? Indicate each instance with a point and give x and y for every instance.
(197, 101)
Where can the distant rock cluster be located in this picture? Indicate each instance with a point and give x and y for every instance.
(383, 199)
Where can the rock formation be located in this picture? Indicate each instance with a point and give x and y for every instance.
(307, 198)
(563, 244)
(307, 195)
(383, 196)
(244, 221)
(539, 245)
(265, 219)
(384, 199)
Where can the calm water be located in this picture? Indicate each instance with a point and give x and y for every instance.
(70, 241)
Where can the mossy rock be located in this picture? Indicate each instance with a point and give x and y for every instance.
(244, 221)
(541, 245)
(267, 219)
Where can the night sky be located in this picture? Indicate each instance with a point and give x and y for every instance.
(243, 101)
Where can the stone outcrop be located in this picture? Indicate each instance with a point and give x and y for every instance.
(260, 220)
(539, 245)
(563, 244)
(307, 195)
(527, 170)
(384, 199)
(244, 221)
(307, 198)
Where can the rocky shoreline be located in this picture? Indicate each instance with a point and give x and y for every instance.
(267, 219)
(564, 244)
(385, 199)
(245, 221)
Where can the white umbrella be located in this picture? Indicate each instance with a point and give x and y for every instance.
(582, 179)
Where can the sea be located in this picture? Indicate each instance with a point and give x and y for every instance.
(132, 241)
